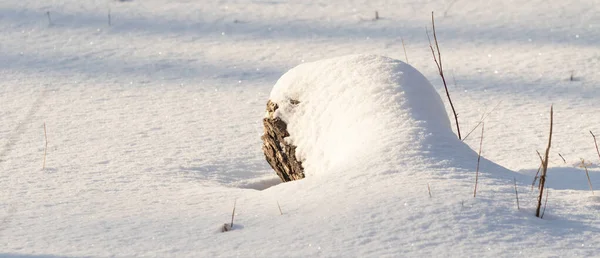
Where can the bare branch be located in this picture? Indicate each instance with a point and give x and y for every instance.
(438, 62)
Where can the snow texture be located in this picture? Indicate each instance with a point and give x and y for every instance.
(154, 124)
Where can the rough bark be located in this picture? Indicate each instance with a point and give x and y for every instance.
(280, 155)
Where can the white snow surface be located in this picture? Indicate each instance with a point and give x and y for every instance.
(361, 112)
(154, 122)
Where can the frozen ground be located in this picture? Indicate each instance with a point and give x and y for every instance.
(154, 128)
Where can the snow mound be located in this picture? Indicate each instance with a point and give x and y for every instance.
(364, 112)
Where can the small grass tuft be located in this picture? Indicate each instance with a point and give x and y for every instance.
(228, 227)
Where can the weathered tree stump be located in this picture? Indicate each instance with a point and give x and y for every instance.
(280, 155)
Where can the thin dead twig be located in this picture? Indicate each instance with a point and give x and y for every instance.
(563, 158)
(538, 170)
(280, 212)
(46, 147)
(536, 175)
(438, 62)
(233, 213)
(545, 168)
(478, 159)
(49, 19)
(539, 156)
(403, 47)
(588, 176)
(429, 190)
(230, 226)
(595, 143)
(448, 8)
(517, 194)
(485, 115)
(545, 204)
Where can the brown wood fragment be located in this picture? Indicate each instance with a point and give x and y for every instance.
(280, 155)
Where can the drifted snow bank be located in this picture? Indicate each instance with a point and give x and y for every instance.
(398, 180)
(363, 111)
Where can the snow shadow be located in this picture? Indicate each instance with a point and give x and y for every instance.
(553, 225)
(567, 178)
(13, 255)
(507, 84)
(260, 183)
(249, 175)
(201, 27)
(290, 29)
(142, 70)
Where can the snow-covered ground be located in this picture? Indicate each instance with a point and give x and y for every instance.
(154, 125)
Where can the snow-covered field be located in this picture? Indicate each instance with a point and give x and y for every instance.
(154, 125)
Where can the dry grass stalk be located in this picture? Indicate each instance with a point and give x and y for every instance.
(280, 212)
(49, 19)
(563, 158)
(540, 156)
(454, 80)
(545, 204)
(403, 47)
(595, 143)
(485, 115)
(228, 227)
(517, 194)
(448, 8)
(588, 176)
(46, 147)
(478, 160)
(429, 190)
(233, 213)
(536, 175)
(538, 170)
(438, 62)
(545, 167)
